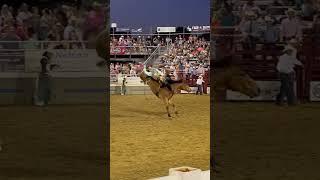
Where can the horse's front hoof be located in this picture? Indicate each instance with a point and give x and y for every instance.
(169, 116)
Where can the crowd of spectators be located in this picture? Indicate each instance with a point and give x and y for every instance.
(62, 23)
(276, 21)
(184, 56)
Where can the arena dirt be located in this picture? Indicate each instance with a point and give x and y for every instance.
(145, 143)
(56, 143)
(262, 141)
(65, 142)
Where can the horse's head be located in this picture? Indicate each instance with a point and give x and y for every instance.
(240, 81)
(184, 86)
(231, 77)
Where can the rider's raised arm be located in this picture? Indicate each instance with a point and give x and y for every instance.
(146, 72)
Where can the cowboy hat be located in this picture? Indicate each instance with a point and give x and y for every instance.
(251, 14)
(46, 53)
(290, 10)
(287, 48)
(268, 19)
(293, 41)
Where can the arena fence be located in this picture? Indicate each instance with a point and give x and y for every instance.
(260, 63)
(19, 67)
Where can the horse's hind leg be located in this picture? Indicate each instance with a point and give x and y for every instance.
(174, 106)
(166, 102)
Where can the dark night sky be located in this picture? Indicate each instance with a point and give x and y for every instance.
(147, 13)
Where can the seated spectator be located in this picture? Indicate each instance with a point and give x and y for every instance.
(5, 13)
(271, 31)
(9, 35)
(23, 14)
(71, 27)
(77, 43)
(95, 20)
(251, 30)
(35, 19)
(22, 30)
(307, 10)
(133, 73)
(249, 6)
(290, 27)
(227, 18)
(45, 25)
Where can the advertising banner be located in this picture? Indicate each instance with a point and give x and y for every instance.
(12, 61)
(315, 91)
(69, 60)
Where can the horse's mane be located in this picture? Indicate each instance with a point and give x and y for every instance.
(177, 81)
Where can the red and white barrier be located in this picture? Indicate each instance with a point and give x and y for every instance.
(186, 173)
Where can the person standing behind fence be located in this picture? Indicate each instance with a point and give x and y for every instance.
(44, 84)
(123, 86)
(285, 68)
(200, 82)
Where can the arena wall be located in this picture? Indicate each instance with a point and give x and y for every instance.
(19, 89)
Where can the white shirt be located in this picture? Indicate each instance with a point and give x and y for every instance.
(23, 16)
(286, 64)
(67, 31)
(294, 52)
(290, 28)
(200, 81)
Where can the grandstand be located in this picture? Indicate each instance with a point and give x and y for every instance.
(186, 55)
(257, 51)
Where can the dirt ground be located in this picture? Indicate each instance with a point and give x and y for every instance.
(261, 141)
(145, 143)
(57, 143)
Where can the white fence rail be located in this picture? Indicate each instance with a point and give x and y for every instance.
(36, 45)
(70, 60)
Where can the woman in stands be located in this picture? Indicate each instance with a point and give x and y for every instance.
(75, 45)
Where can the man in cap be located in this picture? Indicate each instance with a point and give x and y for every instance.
(199, 83)
(290, 27)
(44, 88)
(71, 27)
(271, 32)
(285, 68)
(251, 30)
(123, 86)
(250, 6)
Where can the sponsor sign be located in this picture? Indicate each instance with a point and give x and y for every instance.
(315, 91)
(12, 61)
(166, 29)
(131, 81)
(269, 91)
(200, 28)
(69, 60)
(122, 29)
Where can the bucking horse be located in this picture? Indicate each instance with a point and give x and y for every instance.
(164, 93)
